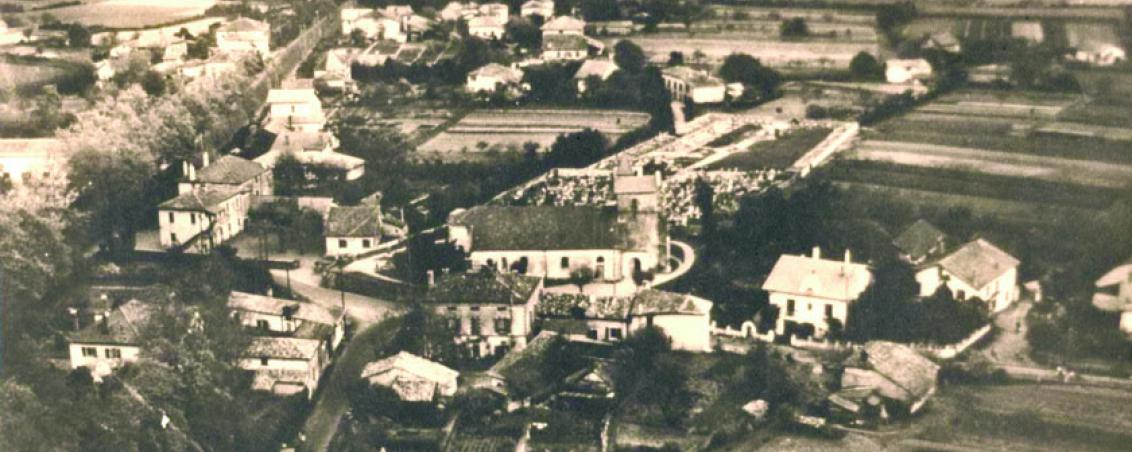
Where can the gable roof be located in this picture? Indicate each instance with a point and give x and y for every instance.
(902, 365)
(564, 42)
(1116, 276)
(244, 24)
(354, 221)
(122, 327)
(201, 200)
(811, 276)
(919, 239)
(230, 170)
(499, 228)
(413, 364)
(499, 71)
(523, 369)
(283, 348)
(483, 287)
(564, 23)
(484, 22)
(263, 304)
(598, 68)
(978, 263)
(292, 96)
(918, 65)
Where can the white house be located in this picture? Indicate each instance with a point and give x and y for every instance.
(602, 69)
(492, 77)
(313, 149)
(1114, 294)
(413, 378)
(353, 230)
(202, 219)
(811, 292)
(295, 107)
(350, 17)
(907, 71)
(486, 27)
(564, 47)
(976, 270)
(456, 10)
(564, 25)
(685, 319)
(244, 35)
(685, 83)
(498, 11)
(110, 341)
(491, 311)
(285, 365)
(104, 70)
(276, 316)
(541, 8)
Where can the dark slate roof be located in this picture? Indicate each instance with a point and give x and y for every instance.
(122, 326)
(501, 228)
(919, 239)
(204, 200)
(354, 221)
(230, 170)
(483, 287)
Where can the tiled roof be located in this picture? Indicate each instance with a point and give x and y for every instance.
(978, 263)
(354, 221)
(598, 68)
(122, 326)
(483, 287)
(203, 200)
(244, 24)
(301, 310)
(920, 239)
(564, 42)
(526, 364)
(499, 71)
(484, 22)
(266, 379)
(643, 303)
(692, 76)
(564, 23)
(498, 228)
(230, 170)
(412, 364)
(283, 348)
(829, 279)
(299, 141)
(903, 366)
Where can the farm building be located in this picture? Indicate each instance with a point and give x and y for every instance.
(541, 8)
(491, 311)
(244, 35)
(685, 319)
(895, 373)
(413, 378)
(921, 241)
(492, 77)
(1114, 294)
(353, 230)
(907, 71)
(564, 47)
(602, 69)
(976, 270)
(811, 292)
(685, 83)
(228, 172)
(112, 340)
(202, 219)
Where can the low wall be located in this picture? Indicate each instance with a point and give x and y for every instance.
(942, 352)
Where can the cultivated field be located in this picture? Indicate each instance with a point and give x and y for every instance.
(508, 130)
(1059, 32)
(131, 13)
(778, 154)
(13, 75)
(828, 54)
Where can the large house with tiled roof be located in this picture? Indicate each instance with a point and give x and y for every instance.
(812, 294)
(490, 311)
(564, 25)
(244, 35)
(295, 107)
(110, 341)
(413, 378)
(277, 316)
(565, 47)
(285, 365)
(228, 171)
(353, 230)
(686, 319)
(902, 378)
(493, 77)
(202, 219)
(313, 150)
(977, 270)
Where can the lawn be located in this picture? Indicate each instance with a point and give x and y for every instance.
(131, 13)
(780, 153)
(507, 130)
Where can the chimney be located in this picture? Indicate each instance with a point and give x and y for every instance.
(848, 257)
(270, 291)
(431, 277)
(816, 253)
(206, 160)
(192, 172)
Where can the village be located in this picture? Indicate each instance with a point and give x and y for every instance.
(564, 225)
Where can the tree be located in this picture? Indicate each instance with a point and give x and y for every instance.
(477, 405)
(289, 174)
(153, 83)
(358, 38)
(576, 150)
(865, 67)
(704, 200)
(668, 389)
(114, 187)
(748, 70)
(794, 28)
(524, 34)
(424, 333)
(676, 58)
(629, 56)
(78, 36)
(636, 359)
(882, 310)
(580, 276)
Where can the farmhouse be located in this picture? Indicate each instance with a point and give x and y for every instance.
(486, 27)
(285, 365)
(413, 378)
(215, 66)
(684, 318)
(228, 172)
(921, 241)
(1114, 294)
(602, 69)
(278, 317)
(111, 341)
(907, 71)
(896, 373)
(813, 294)
(685, 83)
(353, 230)
(541, 8)
(295, 107)
(244, 35)
(564, 47)
(315, 151)
(493, 77)
(976, 270)
(202, 219)
(350, 17)
(454, 11)
(491, 311)
(564, 25)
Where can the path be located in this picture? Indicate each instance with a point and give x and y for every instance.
(1010, 345)
(360, 308)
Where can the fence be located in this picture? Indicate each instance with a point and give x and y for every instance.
(836, 141)
(943, 352)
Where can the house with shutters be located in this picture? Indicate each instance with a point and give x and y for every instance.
(212, 204)
(486, 27)
(227, 172)
(111, 340)
(285, 365)
(685, 319)
(565, 47)
(490, 311)
(812, 293)
(493, 77)
(353, 230)
(564, 25)
(977, 270)
(413, 378)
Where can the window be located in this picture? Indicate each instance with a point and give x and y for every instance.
(614, 333)
(565, 263)
(365, 243)
(90, 352)
(170, 217)
(114, 353)
(173, 237)
(341, 243)
(192, 218)
(829, 311)
(592, 334)
(502, 325)
(261, 324)
(475, 308)
(477, 329)
(789, 307)
(263, 360)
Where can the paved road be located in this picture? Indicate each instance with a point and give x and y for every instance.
(363, 310)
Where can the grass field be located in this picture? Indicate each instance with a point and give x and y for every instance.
(831, 54)
(503, 129)
(131, 13)
(779, 154)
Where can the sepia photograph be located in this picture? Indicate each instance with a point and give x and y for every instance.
(565, 225)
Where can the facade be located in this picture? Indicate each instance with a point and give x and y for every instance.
(276, 316)
(1114, 294)
(353, 230)
(564, 47)
(685, 319)
(285, 365)
(110, 341)
(976, 270)
(564, 25)
(610, 28)
(486, 27)
(602, 69)
(295, 108)
(313, 149)
(413, 378)
(684, 83)
(493, 77)
(490, 311)
(811, 293)
(498, 11)
(200, 220)
(244, 35)
(541, 8)
(907, 71)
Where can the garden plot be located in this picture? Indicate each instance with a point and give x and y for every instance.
(774, 154)
(508, 130)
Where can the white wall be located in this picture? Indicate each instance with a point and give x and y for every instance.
(353, 245)
(708, 94)
(808, 310)
(310, 368)
(999, 293)
(101, 365)
(229, 221)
